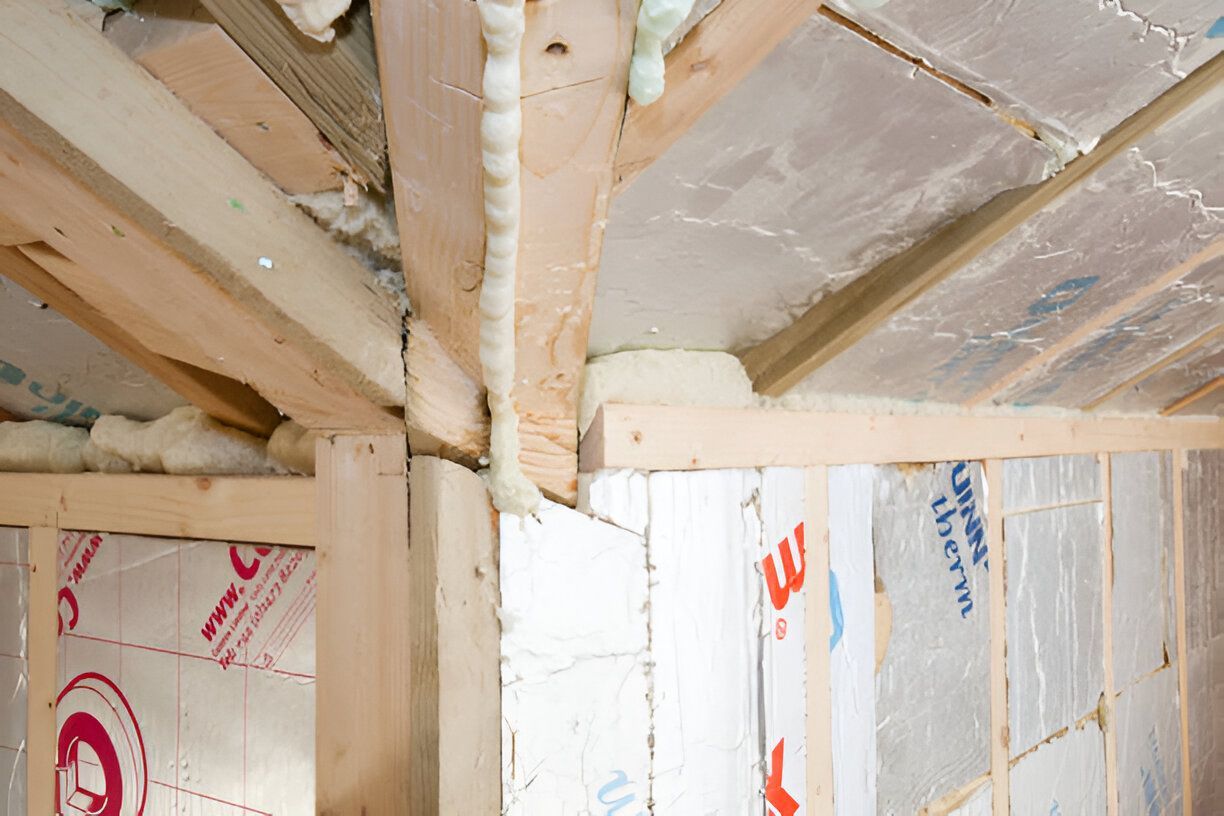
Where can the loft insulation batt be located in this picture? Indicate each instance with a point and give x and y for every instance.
(1075, 68)
(14, 669)
(1055, 634)
(933, 689)
(828, 158)
(1063, 777)
(1174, 381)
(186, 442)
(575, 668)
(1129, 224)
(186, 676)
(1204, 530)
(1148, 719)
(1128, 346)
(51, 369)
(1144, 625)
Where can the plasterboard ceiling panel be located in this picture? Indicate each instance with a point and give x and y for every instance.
(1074, 68)
(1173, 382)
(830, 157)
(52, 369)
(1138, 219)
(1126, 347)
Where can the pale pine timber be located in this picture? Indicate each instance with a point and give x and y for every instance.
(1186, 402)
(819, 630)
(42, 683)
(841, 319)
(1161, 364)
(1000, 738)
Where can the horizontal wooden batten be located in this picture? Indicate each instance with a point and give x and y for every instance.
(649, 437)
(256, 509)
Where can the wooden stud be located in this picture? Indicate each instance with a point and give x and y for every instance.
(1109, 700)
(220, 397)
(180, 43)
(843, 318)
(335, 84)
(575, 72)
(12, 233)
(819, 628)
(1161, 364)
(456, 642)
(256, 509)
(1203, 391)
(654, 437)
(363, 726)
(707, 64)
(1000, 730)
(87, 142)
(1183, 645)
(42, 682)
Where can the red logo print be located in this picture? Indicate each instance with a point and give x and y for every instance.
(100, 756)
(779, 800)
(779, 591)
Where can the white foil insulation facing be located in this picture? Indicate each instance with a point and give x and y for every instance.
(14, 668)
(1148, 720)
(1062, 777)
(186, 677)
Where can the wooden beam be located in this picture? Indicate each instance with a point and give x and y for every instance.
(575, 69)
(841, 319)
(1179, 604)
(87, 143)
(7, 416)
(1161, 364)
(180, 43)
(42, 682)
(708, 63)
(256, 509)
(335, 84)
(363, 726)
(1204, 390)
(1000, 737)
(653, 437)
(224, 399)
(818, 628)
(456, 643)
(1109, 697)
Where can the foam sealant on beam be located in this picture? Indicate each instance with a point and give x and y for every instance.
(856, 638)
(14, 670)
(657, 21)
(933, 689)
(575, 665)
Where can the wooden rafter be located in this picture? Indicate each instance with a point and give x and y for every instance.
(1202, 392)
(94, 156)
(841, 319)
(233, 403)
(575, 68)
(1161, 364)
(335, 84)
(707, 64)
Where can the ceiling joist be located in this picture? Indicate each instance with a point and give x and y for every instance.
(841, 319)
(1202, 392)
(1160, 365)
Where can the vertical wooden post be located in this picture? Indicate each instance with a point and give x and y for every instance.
(1108, 703)
(40, 649)
(1000, 739)
(362, 643)
(456, 643)
(819, 629)
(1183, 646)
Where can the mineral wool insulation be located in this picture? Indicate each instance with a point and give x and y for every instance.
(14, 672)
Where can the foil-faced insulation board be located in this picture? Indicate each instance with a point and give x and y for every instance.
(14, 669)
(933, 688)
(51, 369)
(1124, 349)
(1074, 69)
(1204, 532)
(827, 159)
(1141, 216)
(1168, 385)
(186, 676)
(1148, 721)
(1062, 776)
(1055, 633)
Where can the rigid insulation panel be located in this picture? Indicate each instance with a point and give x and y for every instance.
(1086, 66)
(1128, 346)
(933, 688)
(1165, 387)
(831, 156)
(1204, 532)
(1047, 481)
(1055, 633)
(1062, 777)
(1148, 720)
(706, 608)
(14, 669)
(575, 668)
(186, 676)
(1132, 223)
(852, 647)
(1144, 626)
(51, 369)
